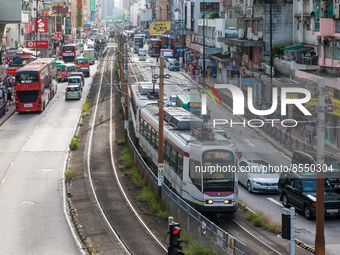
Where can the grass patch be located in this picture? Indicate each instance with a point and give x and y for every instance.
(150, 198)
(146, 195)
(120, 109)
(69, 175)
(86, 105)
(259, 219)
(74, 143)
(80, 124)
(122, 141)
(126, 158)
(192, 247)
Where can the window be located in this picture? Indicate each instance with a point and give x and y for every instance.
(194, 173)
(148, 133)
(209, 7)
(153, 137)
(180, 165)
(328, 52)
(145, 127)
(336, 53)
(157, 141)
(173, 160)
(167, 152)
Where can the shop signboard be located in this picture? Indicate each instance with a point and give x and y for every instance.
(41, 44)
(42, 25)
(92, 5)
(79, 13)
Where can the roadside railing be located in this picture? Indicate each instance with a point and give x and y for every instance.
(190, 219)
(2, 109)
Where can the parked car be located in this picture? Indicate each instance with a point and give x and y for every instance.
(173, 66)
(299, 190)
(231, 32)
(73, 91)
(141, 52)
(85, 71)
(141, 57)
(256, 176)
(308, 159)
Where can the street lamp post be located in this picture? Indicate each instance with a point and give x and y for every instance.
(36, 30)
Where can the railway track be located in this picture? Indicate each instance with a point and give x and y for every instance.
(121, 230)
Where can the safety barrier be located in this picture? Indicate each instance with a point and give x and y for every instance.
(190, 219)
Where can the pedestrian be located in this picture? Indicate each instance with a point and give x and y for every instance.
(289, 130)
(1, 93)
(302, 126)
(9, 94)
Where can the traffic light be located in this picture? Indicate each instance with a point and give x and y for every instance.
(175, 247)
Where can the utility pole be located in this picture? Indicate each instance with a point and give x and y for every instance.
(126, 99)
(204, 19)
(161, 127)
(320, 180)
(36, 30)
(271, 40)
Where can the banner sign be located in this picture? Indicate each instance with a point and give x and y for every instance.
(92, 5)
(42, 26)
(41, 44)
(160, 28)
(79, 14)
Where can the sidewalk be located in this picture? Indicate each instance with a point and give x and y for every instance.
(4, 115)
(276, 135)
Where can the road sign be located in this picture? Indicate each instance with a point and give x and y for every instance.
(160, 28)
(204, 227)
(9, 61)
(160, 168)
(231, 245)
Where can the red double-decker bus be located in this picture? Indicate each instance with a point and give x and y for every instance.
(69, 52)
(35, 85)
(155, 47)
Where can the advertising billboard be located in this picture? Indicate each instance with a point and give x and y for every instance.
(41, 44)
(92, 5)
(79, 14)
(160, 28)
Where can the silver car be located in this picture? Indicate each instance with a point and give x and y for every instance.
(73, 91)
(257, 176)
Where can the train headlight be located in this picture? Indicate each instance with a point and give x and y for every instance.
(227, 201)
(209, 201)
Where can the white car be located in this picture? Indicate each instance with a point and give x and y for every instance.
(257, 177)
(231, 32)
(169, 61)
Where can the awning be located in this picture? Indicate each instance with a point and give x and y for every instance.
(298, 48)
(211, 51)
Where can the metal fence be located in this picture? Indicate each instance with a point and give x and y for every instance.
(2, 109)
(191, 220)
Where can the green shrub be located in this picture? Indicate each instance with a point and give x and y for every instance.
(86, 105)
(69, 175)
(214, 15)
(122, 142)
(74, 143)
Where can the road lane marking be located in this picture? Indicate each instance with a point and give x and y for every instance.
(274, 201)
(250, 143)
(7, 120)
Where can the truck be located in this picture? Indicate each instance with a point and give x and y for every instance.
(167, 53)
(90, 54)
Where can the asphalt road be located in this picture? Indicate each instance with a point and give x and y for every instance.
(33, 151)
(253, 146)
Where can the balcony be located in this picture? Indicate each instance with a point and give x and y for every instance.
(326, 27)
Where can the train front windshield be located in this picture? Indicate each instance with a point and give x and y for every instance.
(218, 171)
